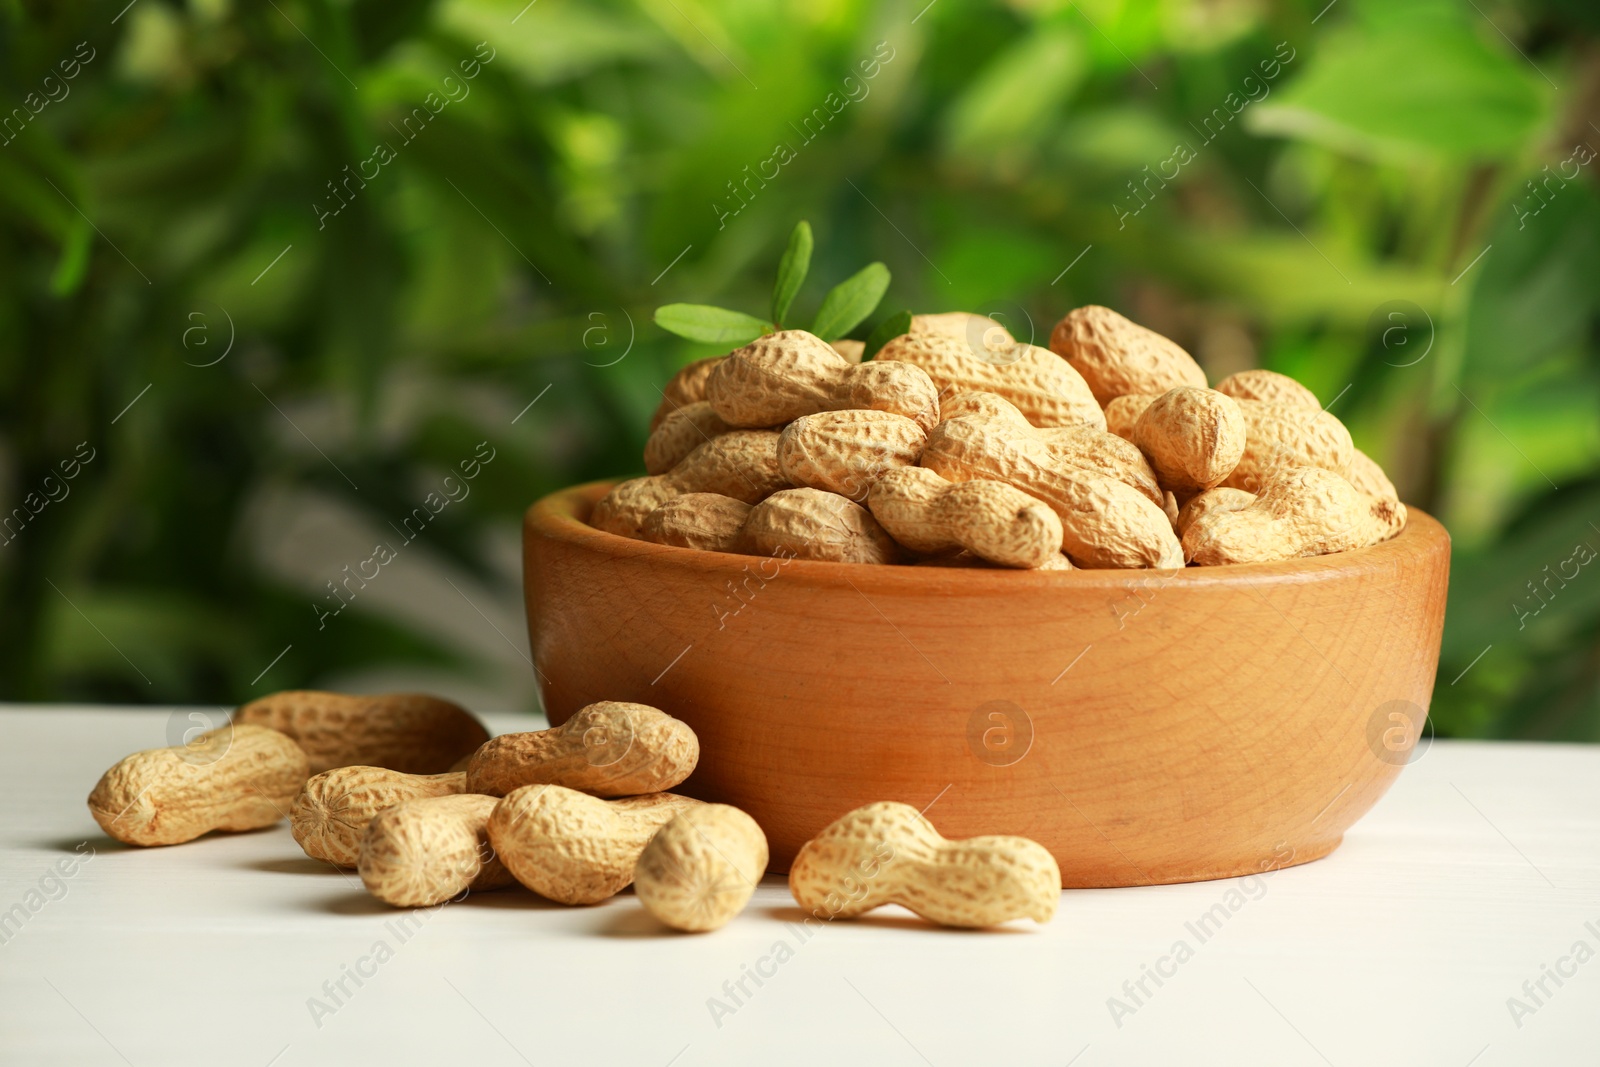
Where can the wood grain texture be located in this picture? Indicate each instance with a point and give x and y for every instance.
(1145, 727)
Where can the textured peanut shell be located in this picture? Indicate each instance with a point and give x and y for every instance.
(1122, 414)
(980, 332)
(679, 433)
(238, 777)
(686, 387)
(888, 853)
(1192, 437)
(775, 379)
(428, 851)
(331, 813)
(1105, 522)
(410, 732)
(1288, 435)
(844, 452)
(700, 869)
(816, 525)
(574, 848)
(742, 464)
(1002, 525)
(706, 521)
(1367, 476)
(1270, 386)
(1039, 384)
(1071, 446)
(608, 749)
(1300, 511)
(1219, 499)
(1117, 356)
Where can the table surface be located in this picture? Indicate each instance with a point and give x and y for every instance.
(1457, 925)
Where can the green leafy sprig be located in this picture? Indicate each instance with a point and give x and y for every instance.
(844, 308)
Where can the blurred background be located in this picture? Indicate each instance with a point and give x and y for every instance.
(270, 273)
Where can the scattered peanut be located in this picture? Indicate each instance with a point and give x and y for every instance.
(1105, 522)
(1300, 511)
(409, 732)
(707, 521)
(1042, 386)
(1117, 356)
(1288, 435)
(1270, 386)
(608, 749)
(332, 811)
(425, 852)
(775, 379)
(844, 452)
(1193, 438)
(680, 432)
(699, 870)
(236, 777)
(812, 524)
(926, 513)
(1218, 499)
(742, 464)
(887, 853)
(686, 387)
(574, 848)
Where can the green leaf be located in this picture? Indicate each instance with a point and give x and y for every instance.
(884, 332)
(713, 325)
(1374, 92)
(851, 301)
(791, 271)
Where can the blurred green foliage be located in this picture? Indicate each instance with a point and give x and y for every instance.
(1388, 199)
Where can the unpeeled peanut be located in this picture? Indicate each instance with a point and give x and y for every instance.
(888, 853)
(850, 350)
(236, 777)
(1057, 562)
(1367, 476)
(1268, 385)
(1219, 499)
(742, 464)
(706, 521)
(1105, 522)
(428, 851)
(1117, 356)
(979, 331)
(817, 525)
(608, 749)
(1122, 414)
(1042, 386)
(777, 378)
(331, 813)
(700, 869)
(1072, 446)
(1300, 511)
(574, 848)
(1194, 438)
(686, 387)
(844, 452)
(680, 432)
(994, 521)
(1288, 435)
(410, 732)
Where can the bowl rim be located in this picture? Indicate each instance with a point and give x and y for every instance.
(561, 516)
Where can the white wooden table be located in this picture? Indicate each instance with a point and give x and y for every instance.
(1478, 873)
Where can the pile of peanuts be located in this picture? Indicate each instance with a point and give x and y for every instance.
(411, 792)
(958, 445)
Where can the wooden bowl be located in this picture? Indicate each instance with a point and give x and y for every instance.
(1145, 727)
